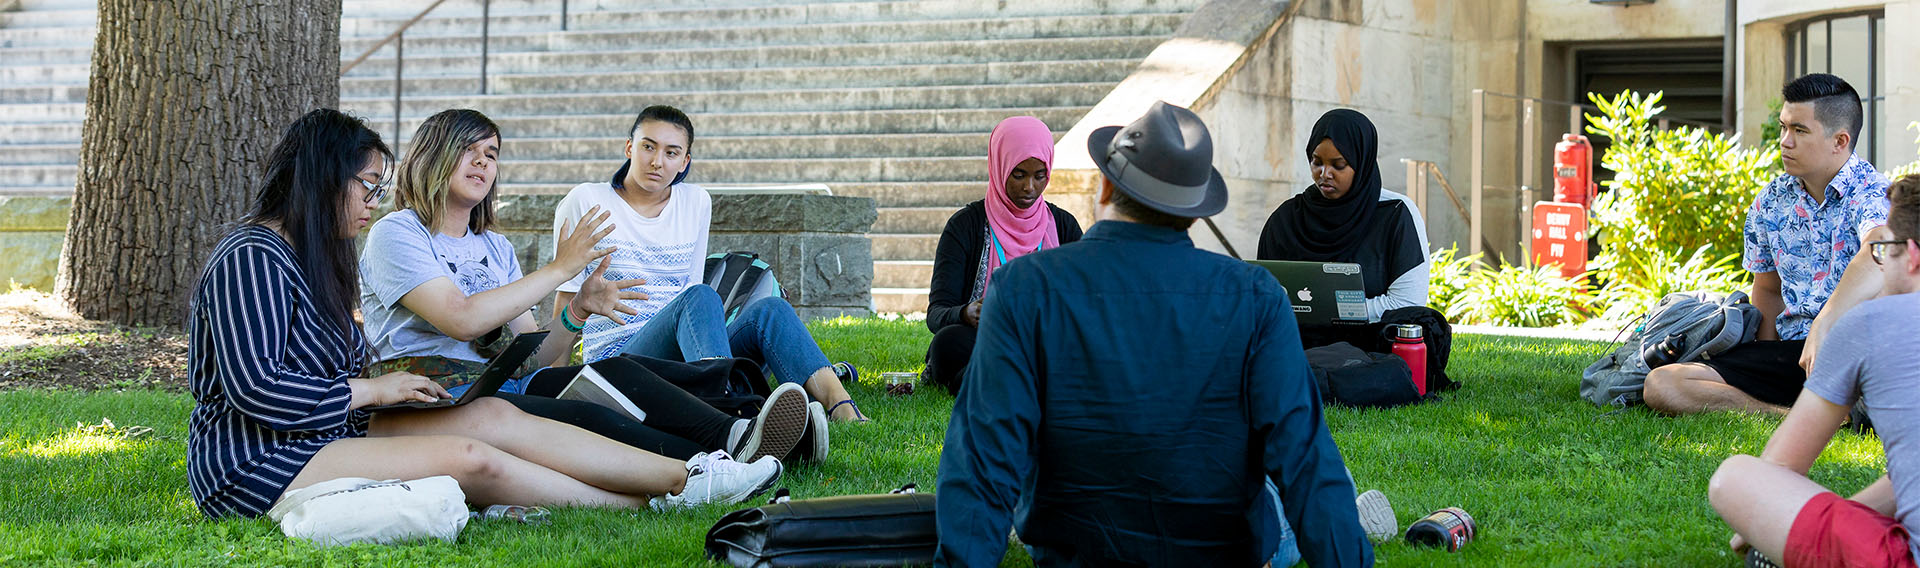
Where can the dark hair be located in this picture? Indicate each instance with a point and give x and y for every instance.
(306, 183)
(428, 168)
(1903, 219)
(1141, 213)
(1835, 103)
(667, 114)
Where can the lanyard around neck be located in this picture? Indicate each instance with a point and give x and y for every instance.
(1001, 255)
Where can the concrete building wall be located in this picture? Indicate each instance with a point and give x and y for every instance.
(1762, 46)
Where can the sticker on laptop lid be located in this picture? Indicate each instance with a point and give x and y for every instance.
(1351, 304)
(1341, 268)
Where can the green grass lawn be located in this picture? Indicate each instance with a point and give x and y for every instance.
(1551, 481)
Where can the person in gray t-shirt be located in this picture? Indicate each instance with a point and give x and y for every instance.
(1872, 357)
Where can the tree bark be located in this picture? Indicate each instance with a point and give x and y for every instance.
(184, 102)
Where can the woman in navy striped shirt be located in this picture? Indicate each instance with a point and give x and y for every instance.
(276, 363)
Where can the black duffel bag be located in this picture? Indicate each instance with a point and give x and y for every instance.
(1351, 377)
(855, 530)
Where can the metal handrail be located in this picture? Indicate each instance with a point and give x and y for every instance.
(398, 39)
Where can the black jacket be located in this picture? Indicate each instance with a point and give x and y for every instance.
(956, 264)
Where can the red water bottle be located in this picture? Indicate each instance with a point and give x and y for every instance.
(1410, 345)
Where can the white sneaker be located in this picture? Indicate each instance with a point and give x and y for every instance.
(714, 477)
(780, 425)
(1376, 516)
(814, 446)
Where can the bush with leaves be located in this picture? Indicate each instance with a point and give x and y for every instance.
(1515, 295)
(1673, 191)
(1627, 299)
(1448, 279)
(1911, 167)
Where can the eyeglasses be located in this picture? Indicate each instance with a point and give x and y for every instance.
(375, 191)
(1880, 250)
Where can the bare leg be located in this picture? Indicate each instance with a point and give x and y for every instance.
(825, 387)
(564, 448)
(488, 475)
(1689, 388)
(1760, 500)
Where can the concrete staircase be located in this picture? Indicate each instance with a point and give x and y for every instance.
(889, 100)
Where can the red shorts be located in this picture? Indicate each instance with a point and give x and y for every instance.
(1831, 531)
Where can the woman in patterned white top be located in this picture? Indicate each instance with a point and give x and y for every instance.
(276, 362)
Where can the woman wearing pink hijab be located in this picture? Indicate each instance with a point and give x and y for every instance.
(1012, 221)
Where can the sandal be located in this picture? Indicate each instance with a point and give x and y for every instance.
(858, 416)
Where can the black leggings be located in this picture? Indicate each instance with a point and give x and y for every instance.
(677, 426)
(947, 356)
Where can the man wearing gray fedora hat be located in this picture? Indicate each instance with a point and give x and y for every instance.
(1131, 395)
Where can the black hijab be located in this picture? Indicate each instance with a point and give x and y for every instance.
(1331, 230)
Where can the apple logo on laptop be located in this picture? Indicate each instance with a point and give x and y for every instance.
(1306, 295)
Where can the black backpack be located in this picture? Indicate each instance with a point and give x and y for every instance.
(741, 277)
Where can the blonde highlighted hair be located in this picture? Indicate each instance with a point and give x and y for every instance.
(428, 167)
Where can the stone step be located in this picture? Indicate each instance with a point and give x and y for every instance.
(469, 22)
(77, 93)
(904, 247)
(739, 37)
(896, 53)
(825, 170)
(47, 37)
(41, 5)
(45, 133)
(738, 80)
(30, 113)
(408, 8)
(899, 300)
(39, 154)
(703, 102)
(48, 18)
(749, 147)
(951, 194)
(47, 74)
(62, 175)
(913, 121)
(914, 220)
(80, 55)
(902, 274)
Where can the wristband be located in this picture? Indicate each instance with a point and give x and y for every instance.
(566, 321)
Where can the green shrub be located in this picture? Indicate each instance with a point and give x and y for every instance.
(1627, 299)
(1448, 279)
(1515, 295)
(1674, 191)
(1911, 167)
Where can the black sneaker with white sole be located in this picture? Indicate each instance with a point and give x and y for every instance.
(781, 424)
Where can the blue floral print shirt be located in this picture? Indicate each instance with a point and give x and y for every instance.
(1810, 243)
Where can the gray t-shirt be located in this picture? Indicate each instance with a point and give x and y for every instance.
(401, 254)
(1870, 355)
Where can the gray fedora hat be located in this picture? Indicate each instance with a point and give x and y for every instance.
(1164, 160)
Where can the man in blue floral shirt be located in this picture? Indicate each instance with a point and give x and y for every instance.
(1802, 235)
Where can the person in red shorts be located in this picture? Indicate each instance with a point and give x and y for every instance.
(1770, 503)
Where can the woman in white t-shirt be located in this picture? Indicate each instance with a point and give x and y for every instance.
(661, 236)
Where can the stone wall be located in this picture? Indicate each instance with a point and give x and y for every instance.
(817, 244)
(32, 229)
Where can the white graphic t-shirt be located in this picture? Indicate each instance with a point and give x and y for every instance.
(669, 251)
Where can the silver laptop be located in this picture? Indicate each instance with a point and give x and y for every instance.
(1322, 292)
(496, 374)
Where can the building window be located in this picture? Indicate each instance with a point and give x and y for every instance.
(1847, 45)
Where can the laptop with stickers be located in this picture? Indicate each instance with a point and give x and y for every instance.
(1322, 293)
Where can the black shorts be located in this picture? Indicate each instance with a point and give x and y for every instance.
(1766, 370)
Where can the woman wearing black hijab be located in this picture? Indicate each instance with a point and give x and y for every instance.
(1346, 217)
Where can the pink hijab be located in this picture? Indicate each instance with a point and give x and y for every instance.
(1017, 231)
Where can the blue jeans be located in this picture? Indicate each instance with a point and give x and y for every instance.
(1289, 552)
(694, 326)
(512, 386)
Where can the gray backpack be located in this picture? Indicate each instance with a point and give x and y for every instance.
(1712, 323)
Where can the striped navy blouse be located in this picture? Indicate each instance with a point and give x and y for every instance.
(269, 372)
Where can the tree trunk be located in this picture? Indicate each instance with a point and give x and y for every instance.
(184, 102)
